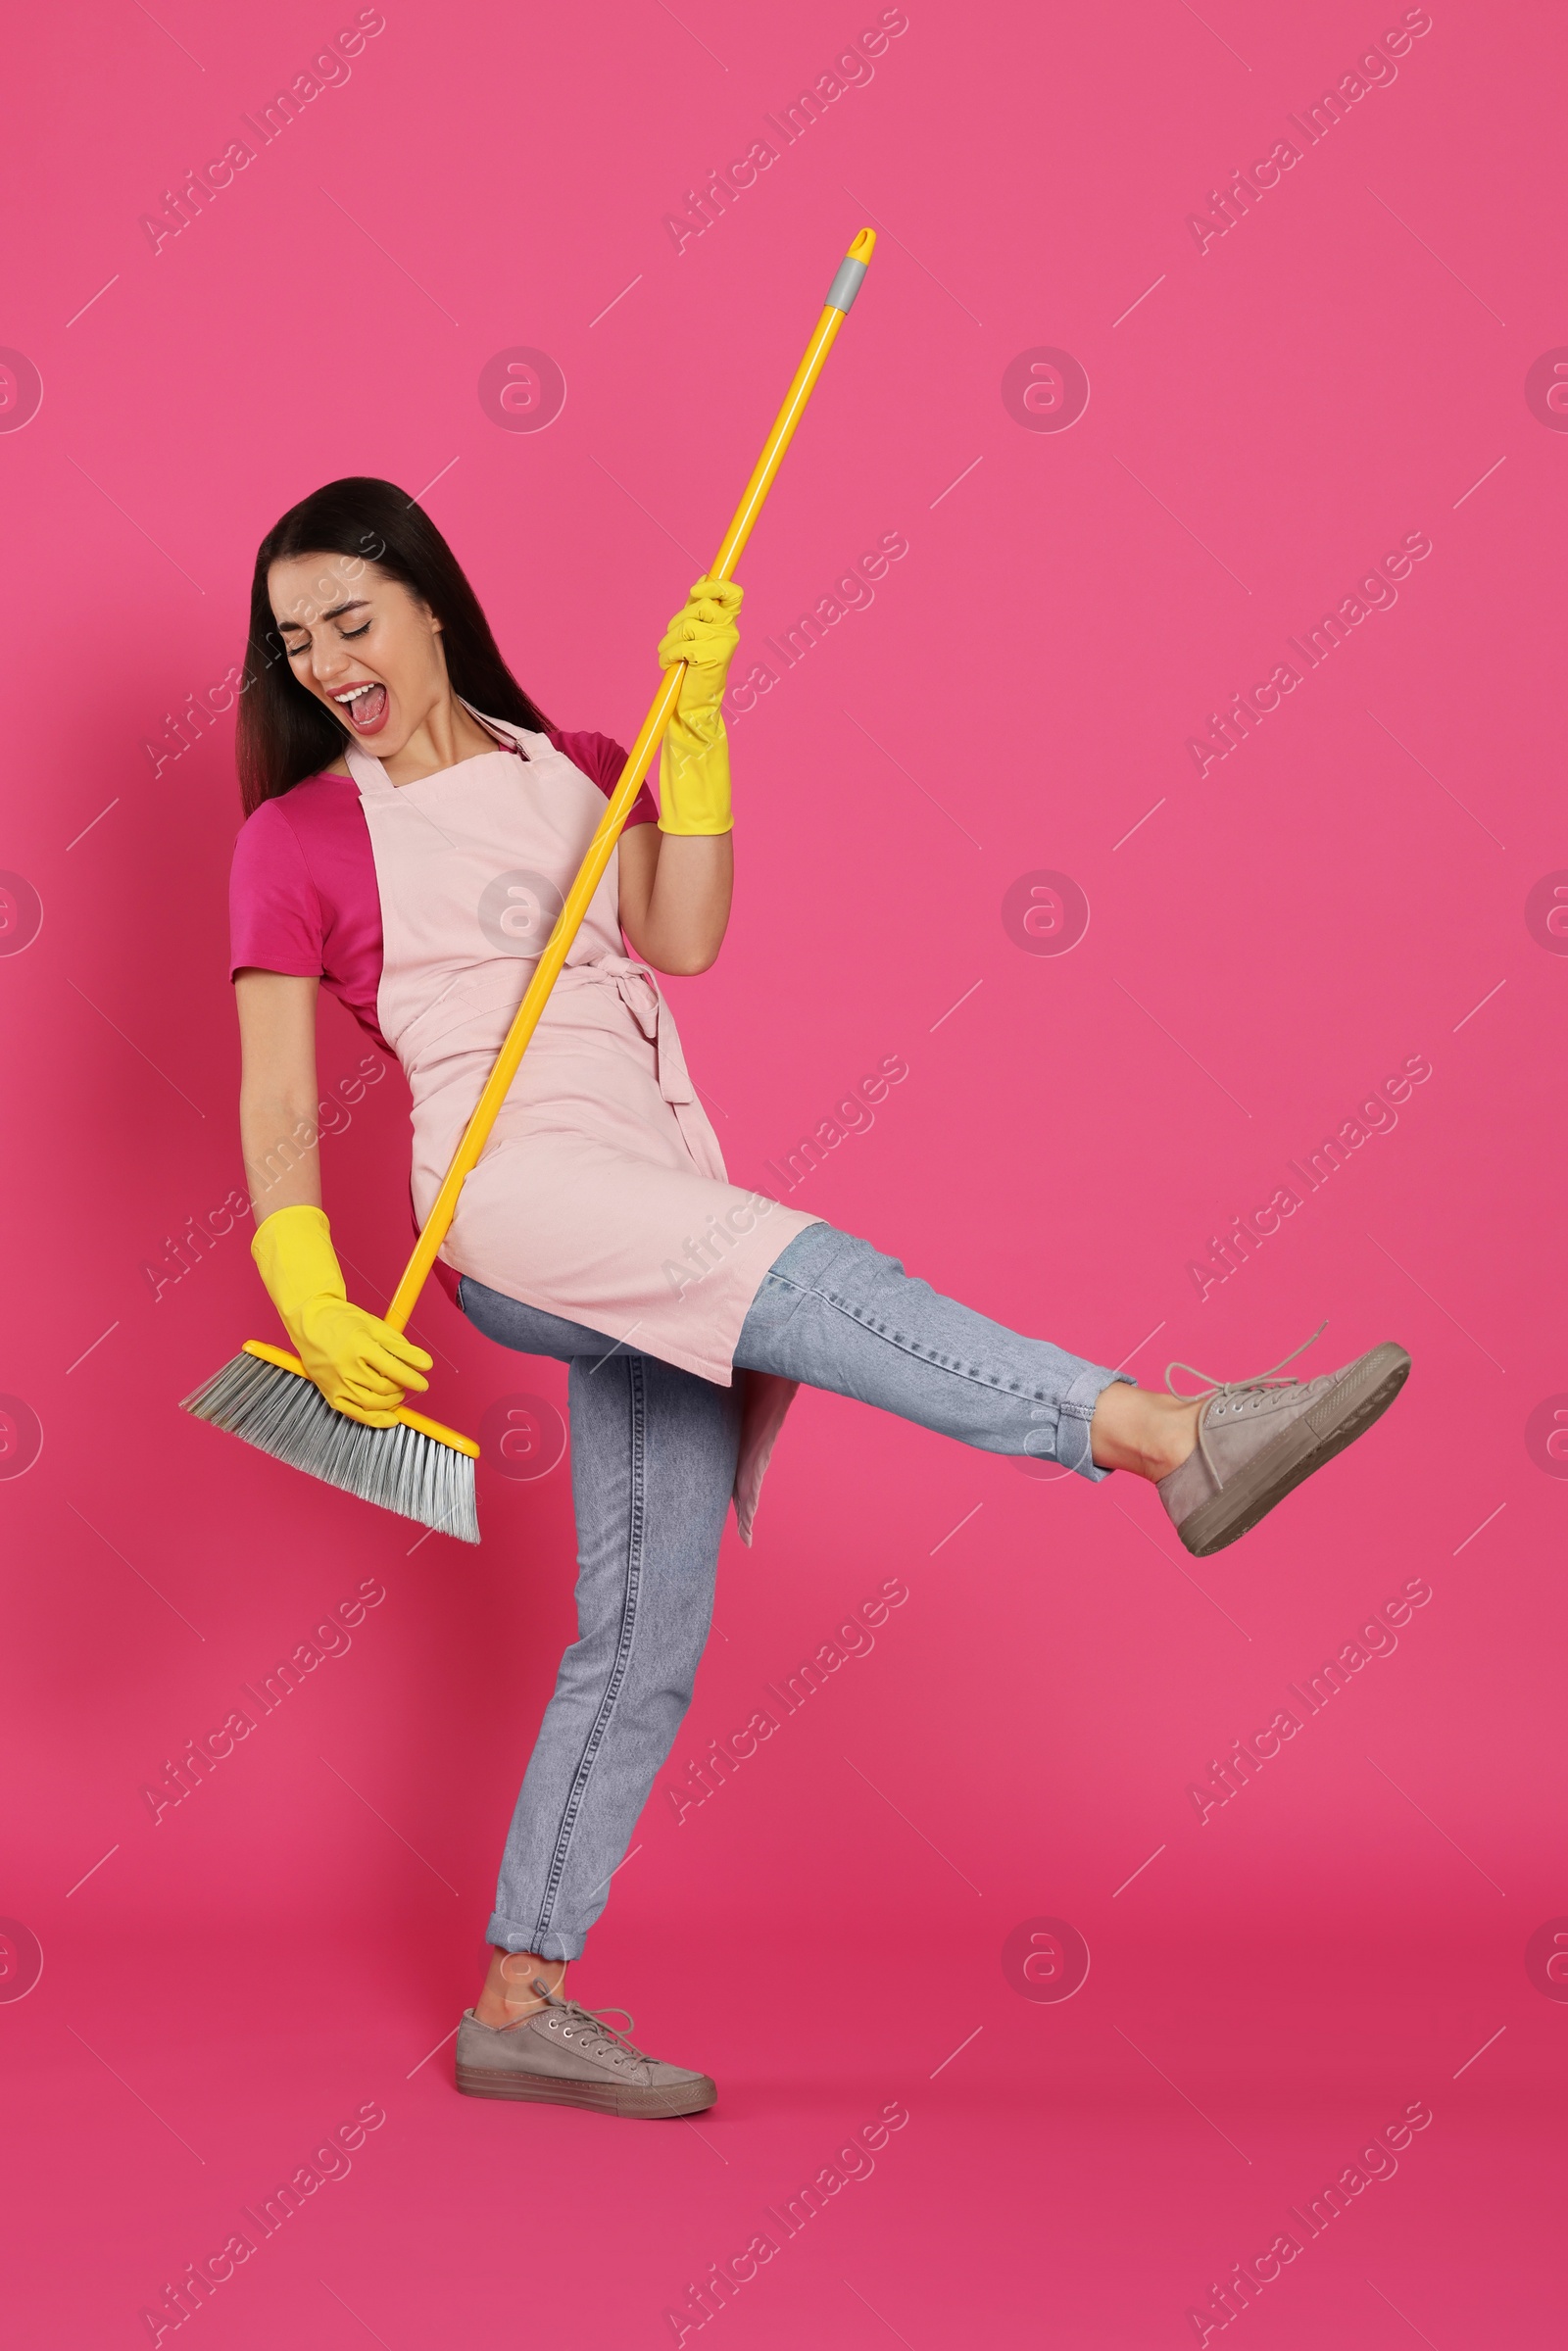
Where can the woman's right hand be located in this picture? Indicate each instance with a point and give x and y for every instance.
(358, 1362)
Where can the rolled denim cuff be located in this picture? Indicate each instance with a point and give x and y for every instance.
(505, 1934)
(1075, 1412)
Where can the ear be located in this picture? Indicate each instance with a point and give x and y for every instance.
(423, 607)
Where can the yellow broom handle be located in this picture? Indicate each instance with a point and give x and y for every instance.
(591, 872)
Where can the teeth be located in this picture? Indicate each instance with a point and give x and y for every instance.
(354, 692)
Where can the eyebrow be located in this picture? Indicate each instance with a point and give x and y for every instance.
(355, 604)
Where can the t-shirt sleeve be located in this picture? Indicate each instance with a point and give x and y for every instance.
(601, 760)
(274, 911)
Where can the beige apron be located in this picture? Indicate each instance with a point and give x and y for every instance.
(601, 1194)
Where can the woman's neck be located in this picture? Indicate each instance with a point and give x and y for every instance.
(446, 735)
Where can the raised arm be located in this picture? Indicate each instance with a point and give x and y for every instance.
(675, 894)
(676, 878)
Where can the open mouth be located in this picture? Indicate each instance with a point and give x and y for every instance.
(365, 705)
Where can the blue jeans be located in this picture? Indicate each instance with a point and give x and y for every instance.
(652, 1460)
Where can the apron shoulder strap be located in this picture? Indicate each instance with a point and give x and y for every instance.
(514, 737)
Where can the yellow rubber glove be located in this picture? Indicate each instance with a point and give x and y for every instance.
(359, 1363)
(694, 756)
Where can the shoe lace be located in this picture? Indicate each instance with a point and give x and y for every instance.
(590, 2022)
(1220, 1392)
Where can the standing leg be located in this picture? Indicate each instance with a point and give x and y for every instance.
(653, 1461)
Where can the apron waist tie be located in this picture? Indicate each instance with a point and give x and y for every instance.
(639, 991)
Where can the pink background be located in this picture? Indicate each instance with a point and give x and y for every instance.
(1267, 418)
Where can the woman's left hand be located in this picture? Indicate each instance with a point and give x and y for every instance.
(694, 757)
(704, 635)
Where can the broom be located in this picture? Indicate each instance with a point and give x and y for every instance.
(418, 1468)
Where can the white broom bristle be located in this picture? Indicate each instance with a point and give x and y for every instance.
(286, 1416)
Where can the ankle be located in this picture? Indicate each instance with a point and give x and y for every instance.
(1139, 1430)
(508, 1996)
(1172, 1437)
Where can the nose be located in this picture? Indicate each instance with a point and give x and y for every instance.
(330, 663)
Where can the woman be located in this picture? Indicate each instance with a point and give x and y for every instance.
(414, 823)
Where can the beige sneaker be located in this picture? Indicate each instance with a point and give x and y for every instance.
(1257, 1439)
(564, 2055)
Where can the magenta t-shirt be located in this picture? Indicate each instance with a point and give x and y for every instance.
(301, 894)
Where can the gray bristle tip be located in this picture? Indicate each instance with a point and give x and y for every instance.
(399, 1469)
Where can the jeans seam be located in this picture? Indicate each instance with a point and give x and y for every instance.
(577, 1793)
(1036, 1395)
(773, 1280)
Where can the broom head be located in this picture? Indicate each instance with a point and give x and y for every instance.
(416, 1467)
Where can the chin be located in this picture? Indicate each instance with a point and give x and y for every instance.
(384, 745)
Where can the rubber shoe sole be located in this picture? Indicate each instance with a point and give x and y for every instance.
(629, 2101)
(1349, 1409)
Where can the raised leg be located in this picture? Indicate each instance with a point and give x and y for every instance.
(836, 1313)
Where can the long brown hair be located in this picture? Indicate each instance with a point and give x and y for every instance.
(283, 732)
